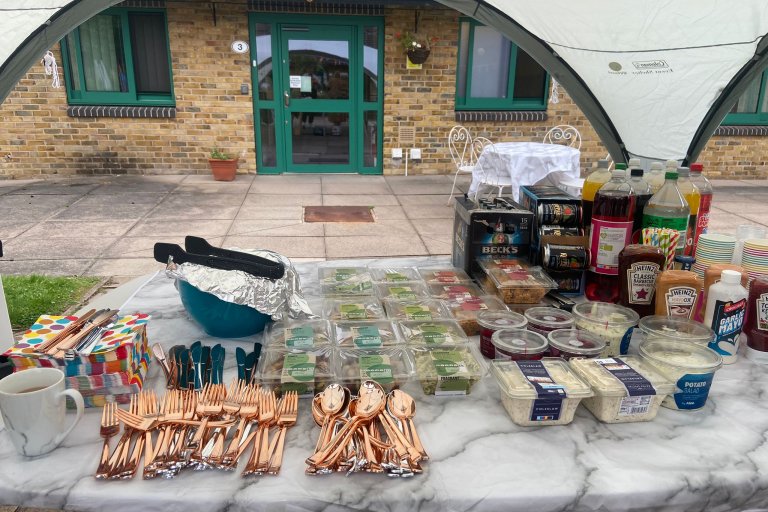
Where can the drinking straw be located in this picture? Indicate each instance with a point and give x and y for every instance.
(674, 237)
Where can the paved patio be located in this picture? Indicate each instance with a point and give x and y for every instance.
(107, 225)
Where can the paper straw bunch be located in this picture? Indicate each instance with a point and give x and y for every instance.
(666, 239)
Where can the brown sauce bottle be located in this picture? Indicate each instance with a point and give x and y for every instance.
(639, 266)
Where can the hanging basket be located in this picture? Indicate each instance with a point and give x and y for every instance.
(418, 55)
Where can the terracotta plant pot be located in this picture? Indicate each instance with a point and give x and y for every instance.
(223, 170)
(418, 56)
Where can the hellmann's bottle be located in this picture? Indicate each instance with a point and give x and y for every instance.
(655, 177)
(705, 204)
(592, 184)
(667, 208)
(691, 194)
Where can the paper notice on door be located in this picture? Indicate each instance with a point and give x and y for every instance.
(306, 84)
(295, 81)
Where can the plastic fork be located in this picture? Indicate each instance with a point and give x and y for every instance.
(260, 454)
(249, 409)
(231, 407)
(289, 409)
(109, 427)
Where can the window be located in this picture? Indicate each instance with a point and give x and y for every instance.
(494, 74)
(752, 106)
(119, 57)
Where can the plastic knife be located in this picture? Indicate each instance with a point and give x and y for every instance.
(240, 358)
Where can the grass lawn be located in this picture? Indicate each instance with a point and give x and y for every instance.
(29, 297)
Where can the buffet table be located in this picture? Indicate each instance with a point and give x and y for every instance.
(715, 459)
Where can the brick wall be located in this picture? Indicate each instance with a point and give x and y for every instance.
(39, 138)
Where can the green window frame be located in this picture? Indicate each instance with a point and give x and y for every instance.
(509, 99)
(752, 106)
(121, 85)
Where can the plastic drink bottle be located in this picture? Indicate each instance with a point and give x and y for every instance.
(612, 217)
(655, 177)
(705, 204)
(692, 196)
(726, 308)
(643, 192)
(592, 184)
(667, 208)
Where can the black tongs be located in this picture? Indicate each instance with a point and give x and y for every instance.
(259, 267)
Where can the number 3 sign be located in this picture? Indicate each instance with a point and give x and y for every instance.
(239, 46)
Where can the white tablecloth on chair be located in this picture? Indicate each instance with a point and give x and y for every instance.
(528, 163)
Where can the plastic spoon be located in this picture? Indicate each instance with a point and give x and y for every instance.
(401, 405)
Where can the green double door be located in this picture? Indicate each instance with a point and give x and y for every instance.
(317, 93)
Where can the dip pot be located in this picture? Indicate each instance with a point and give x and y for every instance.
(568, 343)
(492, 321)
(547, 319)
(611, 322)
(519, 345)
(689, 365)
(659, 327)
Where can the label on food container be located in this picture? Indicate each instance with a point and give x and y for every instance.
(606, 240)
(299, 337)
(353, 311)
(639, 389)
(549, 404)
(641, 281)
(402, 292)
(298, 373)
(376, 367)
(366, 336)
(446, 276)
(352, 288)
(417, 312)
(394, 277)
(761, 312)
(344, 274)
(471, 303)
(680, 301)
(694, 389)
(457, 291)
(727, 322)
(434, 334)
(452, 372)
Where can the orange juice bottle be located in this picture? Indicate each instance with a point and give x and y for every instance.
(693, 197)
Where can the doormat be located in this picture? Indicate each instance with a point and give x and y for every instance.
(338, 214)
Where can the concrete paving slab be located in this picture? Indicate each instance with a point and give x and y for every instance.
(45, 267)
(248, 211)
(132, 186)
(388, 213)
(208, 178)
(184, 200)
(21, 248)
(172, 212)
(350, 187)
(58, 188)
(727, 183)
(362, 200)
(79, 228)
(101, 208)
(425, 199)
(440, 227)
(291, 246)
(741, 207)
(180, 227)
(36, 205)
(123, 267)
(440, 188)
(283, 200)
(437, 246)
(372, 246)
(231, 187)
(352, 178)
(273, 186)
(429, 212)
(11, 228)
(725, 223)
(287, 178)
(10, 184)
(378, 228)
(746, 218)
(248, 227)
(142, 247)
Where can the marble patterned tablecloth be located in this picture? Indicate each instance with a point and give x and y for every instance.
(715, 459)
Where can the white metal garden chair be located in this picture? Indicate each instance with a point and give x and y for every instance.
(462, 153)
(493, 172)
(566, 135)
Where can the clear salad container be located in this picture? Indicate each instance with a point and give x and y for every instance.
(353, 308)
(299, 334)
(408, 290)
(443, 275)
(690, 366)
(612, 403)
(425, 309)
(547, 319)
(432, 333)
(465, 310)
(675, 328)
(390, 366)
(451, 291)
(345, 281)
(394, 275)
(554, 401)
(492, 321)
(611, 322)
(305, 371)
(449, 370)
(570, 343)
(519, 345)
(521, 286)
(366, 334)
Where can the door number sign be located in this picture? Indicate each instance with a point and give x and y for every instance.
(239, 46)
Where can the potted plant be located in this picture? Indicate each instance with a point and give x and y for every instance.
(223, 165)
(415, 46)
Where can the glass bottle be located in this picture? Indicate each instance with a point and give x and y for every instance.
(592, 184)
(705, 203)
(639, 266)
(693, 197)
(642, 190)
(655, 177)
(667, 208)
(612, 217)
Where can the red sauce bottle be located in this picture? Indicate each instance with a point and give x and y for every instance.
(639, 266)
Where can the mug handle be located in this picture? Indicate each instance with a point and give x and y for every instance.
(79, 404)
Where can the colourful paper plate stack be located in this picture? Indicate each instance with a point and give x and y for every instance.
(754, 257)
(713, 248)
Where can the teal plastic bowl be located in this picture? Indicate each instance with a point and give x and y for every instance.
(220, 318)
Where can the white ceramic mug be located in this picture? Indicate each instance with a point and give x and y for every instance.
(33, 405)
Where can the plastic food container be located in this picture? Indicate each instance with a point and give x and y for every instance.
(345, 281)
(390, 366)
(305, 371)
(690, 366)
(302, 335)
(492, 321)
(675, 328)
(357, 308)
(519, 345)
(394, 275)
(452, 291)
(569, 343)
(447, 370)
(432, 333)
(465, 310)
(529, 407)
(408, 290)
(521, 286)
(426, 309)
(446, 275)
(547, 319)
(610, 322)
(611, 402)
(366, 334)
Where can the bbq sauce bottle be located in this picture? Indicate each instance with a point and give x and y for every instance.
(639, 266)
